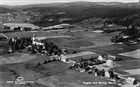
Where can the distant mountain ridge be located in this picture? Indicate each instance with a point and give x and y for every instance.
(83, 3)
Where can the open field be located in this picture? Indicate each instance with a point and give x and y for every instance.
(117, 49)
(96, 44)
(2, 35)
(80, 54)
(3, 47)
(127, 65)
(15, 20)
(135, 54)
(29, 34)
(110, 47)
(16, 58)
(133, 71)
(21, 25)
(79, 43)
(40, 38)
(128, 68)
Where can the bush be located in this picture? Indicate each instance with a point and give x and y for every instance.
(74, 52)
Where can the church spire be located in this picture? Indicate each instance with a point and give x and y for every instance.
(34, 37)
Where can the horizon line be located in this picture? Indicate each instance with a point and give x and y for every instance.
(70, 2)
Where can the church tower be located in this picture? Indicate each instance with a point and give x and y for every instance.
(33, 38)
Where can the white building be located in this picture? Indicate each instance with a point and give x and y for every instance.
(101, 58)
(110, 63)
(130, 80)
(107, 74)
(36, 41)
(63, 58)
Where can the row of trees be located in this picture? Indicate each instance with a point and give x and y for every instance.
(39, 64)
(18, 28)
(21, 29)
(19, 43)
(117, 38)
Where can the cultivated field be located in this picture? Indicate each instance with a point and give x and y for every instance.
(87, 44)
(70, 78)
(135, 54)
(21, 25)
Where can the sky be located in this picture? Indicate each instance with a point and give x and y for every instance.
(25, 2)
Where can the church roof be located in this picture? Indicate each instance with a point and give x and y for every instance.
(36, 40)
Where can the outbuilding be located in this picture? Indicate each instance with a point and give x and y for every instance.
(110, 63)
(130, 81)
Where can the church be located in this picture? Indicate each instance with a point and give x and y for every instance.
(36, 41)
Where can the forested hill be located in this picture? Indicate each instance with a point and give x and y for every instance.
(5, 10)
(75, 12)
(79, 11)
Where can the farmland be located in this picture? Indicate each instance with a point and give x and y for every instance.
(58, 73)
(76, 44)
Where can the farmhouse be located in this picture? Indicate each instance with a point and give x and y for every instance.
(63, 58)
(124, 37)
(110, 63)
(101, 58)
(131, 82)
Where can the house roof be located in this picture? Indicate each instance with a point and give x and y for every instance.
(36, 40)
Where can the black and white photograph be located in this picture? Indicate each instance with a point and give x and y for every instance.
(69, 43)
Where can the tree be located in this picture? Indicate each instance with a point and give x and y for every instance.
(74, 52)
(136, 22)
(45, 62)
(6, 27)
(38, 64)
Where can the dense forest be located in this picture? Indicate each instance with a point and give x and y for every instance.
(126, 21)
(51, 14)
(78, 13)
(5, 10)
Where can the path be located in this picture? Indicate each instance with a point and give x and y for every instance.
(4, 35)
